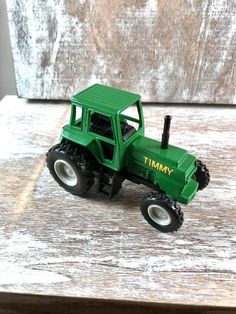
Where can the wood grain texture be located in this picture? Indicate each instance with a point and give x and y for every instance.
(54, 243)
(168, 51)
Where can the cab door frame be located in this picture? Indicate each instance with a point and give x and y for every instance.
(104, 142)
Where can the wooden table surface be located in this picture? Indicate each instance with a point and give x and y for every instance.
(54, 243)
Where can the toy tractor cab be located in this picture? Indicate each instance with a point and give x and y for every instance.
(105, 140)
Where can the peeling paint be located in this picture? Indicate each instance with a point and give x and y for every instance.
(166, 51)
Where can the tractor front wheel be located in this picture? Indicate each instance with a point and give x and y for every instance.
(71, 169)
(202, 175)
(161, 212)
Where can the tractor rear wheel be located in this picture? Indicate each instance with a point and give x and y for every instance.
(202, 175)
(70, 168)
(161, 212)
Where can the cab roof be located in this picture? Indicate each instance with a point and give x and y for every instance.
(105, 99)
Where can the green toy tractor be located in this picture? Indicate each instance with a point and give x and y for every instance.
(105, 140)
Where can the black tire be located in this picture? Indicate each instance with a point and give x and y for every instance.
(202, 175)
(161, 212)
(70, 167)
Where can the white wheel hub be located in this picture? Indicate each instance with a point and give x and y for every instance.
(159, 215)
(65, 172)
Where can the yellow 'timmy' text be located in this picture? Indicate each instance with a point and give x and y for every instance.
(157, 165)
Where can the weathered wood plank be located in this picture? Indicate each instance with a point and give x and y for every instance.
(168, 51)
(55, 243)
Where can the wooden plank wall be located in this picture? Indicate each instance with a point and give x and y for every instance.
(168, 51)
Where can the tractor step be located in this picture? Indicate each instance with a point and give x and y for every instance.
(109, 183)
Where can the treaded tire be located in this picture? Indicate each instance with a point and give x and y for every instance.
(202, 175)
(173, 215)
(77, 161)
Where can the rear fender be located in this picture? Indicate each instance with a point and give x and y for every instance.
(74, 135)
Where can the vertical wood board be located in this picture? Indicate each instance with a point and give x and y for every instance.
(167, 51)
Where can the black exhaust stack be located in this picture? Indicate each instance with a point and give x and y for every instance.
(165, 134)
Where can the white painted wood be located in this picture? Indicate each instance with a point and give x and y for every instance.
(168, 51)
(56, 243)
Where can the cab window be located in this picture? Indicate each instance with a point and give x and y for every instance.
(101, 124)
(129, 121)
(78, 116)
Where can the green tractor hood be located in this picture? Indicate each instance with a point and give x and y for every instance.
(171, 169)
